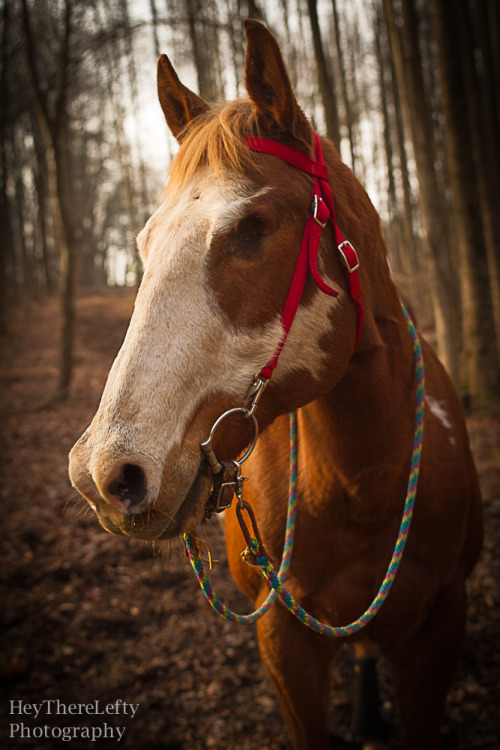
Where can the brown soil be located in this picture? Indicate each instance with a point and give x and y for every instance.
(89, 617)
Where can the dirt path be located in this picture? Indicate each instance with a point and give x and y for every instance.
(90, 619)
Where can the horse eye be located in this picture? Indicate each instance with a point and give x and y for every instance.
(243, 246)
(251, 226)
(245, 242)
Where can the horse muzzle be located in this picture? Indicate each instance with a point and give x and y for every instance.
(134, 495)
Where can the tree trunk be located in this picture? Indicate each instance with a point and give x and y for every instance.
(354, 44)
(6, 236)
(413, 97)
(154, 22)
(484, 97)
(236, 42)
(479, 351)
(409, 206)
(26, 265)
(254, 11)
(325, 80)
(204, 64)
(6, 233)
(56, 195)
(292, 57)
(48, 273)
(389, 156)
(343, 84)
(492, 29)
(143, 208)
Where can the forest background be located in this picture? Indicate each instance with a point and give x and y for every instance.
(409, 90)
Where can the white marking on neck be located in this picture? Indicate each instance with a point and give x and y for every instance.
(437, 408)
(311, 323)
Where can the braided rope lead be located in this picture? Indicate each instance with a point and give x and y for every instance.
(199, 568)
(276, 581)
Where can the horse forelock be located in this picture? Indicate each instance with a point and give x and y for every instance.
(215, 139)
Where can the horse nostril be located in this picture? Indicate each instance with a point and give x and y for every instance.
(129, 485)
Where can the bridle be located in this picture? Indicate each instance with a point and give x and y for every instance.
(322, 209)
(227, 477)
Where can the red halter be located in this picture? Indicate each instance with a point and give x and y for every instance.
(308, 255)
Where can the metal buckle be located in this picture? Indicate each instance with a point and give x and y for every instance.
(254, 393)
(316, 201)
(227, 483)
(346, 263)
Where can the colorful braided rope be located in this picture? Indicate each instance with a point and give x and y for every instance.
(199, 568)
(276, 581)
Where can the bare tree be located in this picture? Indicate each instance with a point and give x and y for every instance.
(482, 83)
(326, 81)
(349, 119)
(479, 352)
(205, 47)
(51, 125)
(5, 215)
(154, 22)
(414, 101)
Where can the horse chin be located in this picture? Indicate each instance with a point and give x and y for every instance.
(155, 524)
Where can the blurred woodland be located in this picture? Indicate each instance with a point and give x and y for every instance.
(409, 90)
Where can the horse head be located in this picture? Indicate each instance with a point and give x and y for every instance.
(219, 255)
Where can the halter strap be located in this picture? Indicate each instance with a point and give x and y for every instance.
(287, 153)
(322, 210)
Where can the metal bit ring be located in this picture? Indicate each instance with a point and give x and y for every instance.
(206, 445)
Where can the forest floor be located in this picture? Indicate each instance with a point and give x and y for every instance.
(90, 618)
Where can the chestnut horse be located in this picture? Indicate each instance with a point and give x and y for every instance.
(219, 256)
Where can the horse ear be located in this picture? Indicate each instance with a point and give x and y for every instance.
(268, 84)
(179, 104)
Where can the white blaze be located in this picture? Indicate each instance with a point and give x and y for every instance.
(180, 347)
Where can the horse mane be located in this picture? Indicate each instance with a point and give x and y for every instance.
(215, 139)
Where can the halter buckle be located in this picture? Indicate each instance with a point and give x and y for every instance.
(227, 483)
(254, 393)
(317, 207)
(345, 260)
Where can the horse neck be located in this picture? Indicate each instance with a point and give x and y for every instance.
(358, 436)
